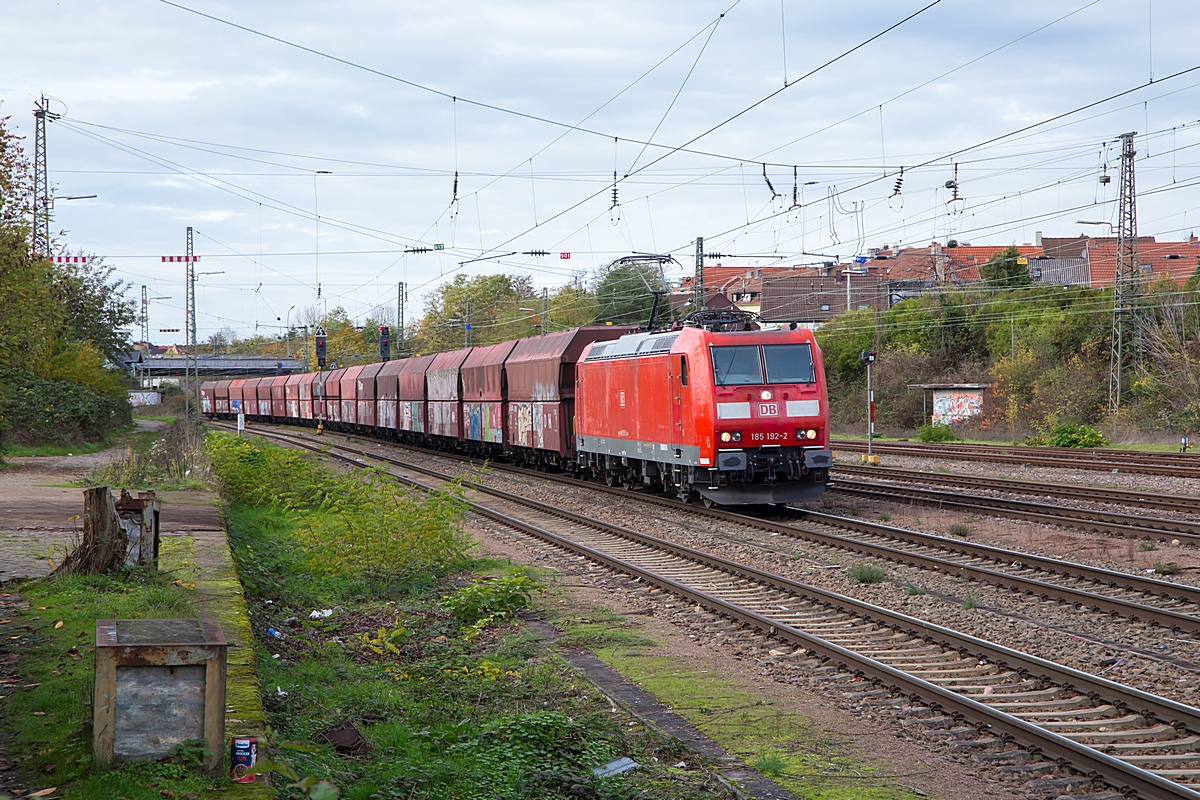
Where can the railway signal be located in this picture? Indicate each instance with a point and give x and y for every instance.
(868, 358)
(385, 342)
(320, 340)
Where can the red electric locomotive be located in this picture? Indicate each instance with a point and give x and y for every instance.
(730, 417)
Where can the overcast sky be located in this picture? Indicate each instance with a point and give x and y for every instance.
(174, 119)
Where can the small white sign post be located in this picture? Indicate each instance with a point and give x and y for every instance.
(241, 423)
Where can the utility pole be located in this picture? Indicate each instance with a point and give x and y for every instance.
(145, 317)
(191, 368)
(1126, 333)
(699, 303)
(545, 309)
(306, 366)
(41, 180)
(400, 320)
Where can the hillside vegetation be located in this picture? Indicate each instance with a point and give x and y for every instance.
(1045, 351)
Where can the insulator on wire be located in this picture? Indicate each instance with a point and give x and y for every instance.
(774, 193)
(614, 200)
(899, 183)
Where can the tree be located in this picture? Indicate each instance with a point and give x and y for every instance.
(624, 294)
(1004, 272)
(496, 307)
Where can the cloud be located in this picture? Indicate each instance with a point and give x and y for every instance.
(150, 67)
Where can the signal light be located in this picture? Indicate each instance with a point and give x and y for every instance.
(320, 342)
(385, 343)
(731, 436)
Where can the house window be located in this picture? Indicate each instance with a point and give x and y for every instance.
(824, 306)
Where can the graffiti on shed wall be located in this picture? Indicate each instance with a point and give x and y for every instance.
(956, 405)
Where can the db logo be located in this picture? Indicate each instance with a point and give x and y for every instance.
(768, 409)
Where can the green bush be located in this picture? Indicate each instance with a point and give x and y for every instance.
(494, 596)
(936, 432)
(1076, 436)
(37, 411)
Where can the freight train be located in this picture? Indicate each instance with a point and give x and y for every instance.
(723, 417)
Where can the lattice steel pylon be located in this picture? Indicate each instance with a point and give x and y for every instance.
(191, 368)
(1126, 333)
(41, 180)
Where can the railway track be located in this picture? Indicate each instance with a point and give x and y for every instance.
(1111, 522)
(1139, 744)
(1064, 491)
(1137, 461)
(1137, 598)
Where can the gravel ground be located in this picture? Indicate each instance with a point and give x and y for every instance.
(935, 771)
(1157, 484)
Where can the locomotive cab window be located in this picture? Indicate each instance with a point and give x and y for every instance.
(788, 363)
(736, 364)
(683, 370)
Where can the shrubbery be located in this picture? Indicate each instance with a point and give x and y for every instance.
(39, 411)
(936, 432)
(362, 524)
(1076, 436)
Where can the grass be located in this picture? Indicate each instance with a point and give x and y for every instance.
(49, 719)
(884, 517)
(959, 529)
(167, 418)
(1147, 545)
(970, 601)
(1167, 568)
(811, 763)
(454, 697)
(866, 572)
(912, 590)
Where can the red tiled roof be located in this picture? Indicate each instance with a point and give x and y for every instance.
(1177, 260)
(966, 260)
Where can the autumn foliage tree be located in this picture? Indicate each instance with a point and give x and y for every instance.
(61, 327)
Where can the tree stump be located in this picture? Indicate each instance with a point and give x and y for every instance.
(104, 540)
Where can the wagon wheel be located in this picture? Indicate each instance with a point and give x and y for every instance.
(610, 479)
(708, 503)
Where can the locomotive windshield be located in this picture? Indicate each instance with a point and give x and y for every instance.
(736, 365)
(743, 364)
(788, 363)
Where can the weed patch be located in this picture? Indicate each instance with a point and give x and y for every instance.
(866, 572)
(959, 529)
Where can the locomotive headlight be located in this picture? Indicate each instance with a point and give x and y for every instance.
(726, 436)
(765, 394)
(810, 434)
(737, 436)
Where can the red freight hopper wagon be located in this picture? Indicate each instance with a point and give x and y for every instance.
(237, 403)
(304, 392)
(735, 418)
(333, 395)
(221, 398)
(387, 393)
(279, 396)
(484, 389)
(365, 395)
(318, 394)
(443, 380)
(206, 398)
(349, 402)
(291, 396)
(541, 393)
(410, 412)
